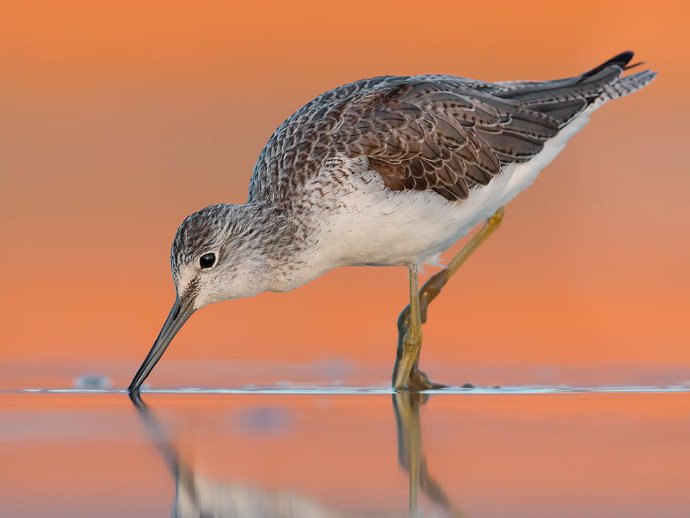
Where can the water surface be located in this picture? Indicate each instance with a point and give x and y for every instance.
(345, 454)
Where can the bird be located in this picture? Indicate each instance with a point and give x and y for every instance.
(387, 171)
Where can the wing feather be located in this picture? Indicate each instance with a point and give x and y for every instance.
(442, 133)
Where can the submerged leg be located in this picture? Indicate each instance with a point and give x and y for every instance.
(416, 379)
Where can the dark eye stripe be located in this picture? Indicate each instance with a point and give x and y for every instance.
(207, 260)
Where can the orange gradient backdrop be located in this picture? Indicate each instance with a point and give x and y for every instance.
(119, 118)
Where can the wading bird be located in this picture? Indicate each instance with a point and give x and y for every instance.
(384, 171)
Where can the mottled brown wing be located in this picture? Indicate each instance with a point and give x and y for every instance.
(451, 134)
(441, 135)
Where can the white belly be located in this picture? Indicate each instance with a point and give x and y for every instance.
(383, 227)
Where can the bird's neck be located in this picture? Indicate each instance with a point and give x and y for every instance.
(280, 238)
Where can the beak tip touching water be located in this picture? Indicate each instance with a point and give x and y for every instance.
(182, 309)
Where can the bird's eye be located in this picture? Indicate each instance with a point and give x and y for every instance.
(207, 260)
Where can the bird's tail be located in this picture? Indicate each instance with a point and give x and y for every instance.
(619, 85)
(564, 99)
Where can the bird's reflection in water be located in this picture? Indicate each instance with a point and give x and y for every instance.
(200, 497)
(411, 453)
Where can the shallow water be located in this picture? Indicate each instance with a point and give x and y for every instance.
(315, 452)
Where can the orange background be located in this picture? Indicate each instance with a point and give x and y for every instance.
(119, 118)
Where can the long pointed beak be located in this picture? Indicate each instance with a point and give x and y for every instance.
(180, 312)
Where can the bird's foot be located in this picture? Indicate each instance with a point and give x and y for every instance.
(419, 381)
(407, 375)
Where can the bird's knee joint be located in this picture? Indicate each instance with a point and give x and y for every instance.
(497, 217)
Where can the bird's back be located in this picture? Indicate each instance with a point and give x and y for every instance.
(437, 132)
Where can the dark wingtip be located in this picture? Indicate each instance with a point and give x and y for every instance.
(634, 65)
(620, 60)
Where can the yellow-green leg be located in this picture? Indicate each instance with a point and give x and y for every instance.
(406, 374)
(410, 344)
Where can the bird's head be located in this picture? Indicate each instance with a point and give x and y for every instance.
(214, 257)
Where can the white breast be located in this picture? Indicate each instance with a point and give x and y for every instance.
(378, 226)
